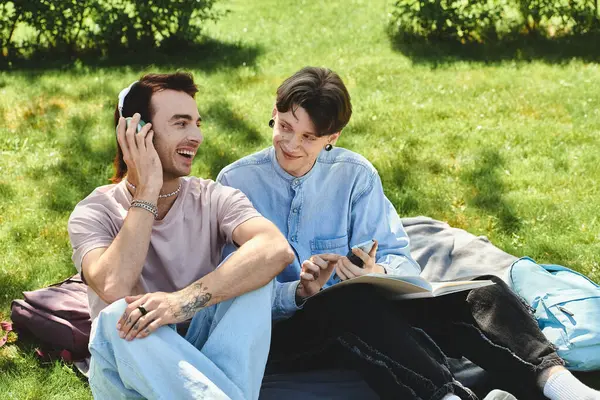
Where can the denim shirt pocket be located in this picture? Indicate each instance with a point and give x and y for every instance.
(338, 245)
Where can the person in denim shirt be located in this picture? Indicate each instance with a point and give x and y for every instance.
(326, 200)
(313, 229)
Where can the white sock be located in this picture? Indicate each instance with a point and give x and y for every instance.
(450, 396)
(564, 386)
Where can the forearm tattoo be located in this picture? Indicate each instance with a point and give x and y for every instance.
(192, 300)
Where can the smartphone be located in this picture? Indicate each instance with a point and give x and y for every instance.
(364, 246)
(140, 124)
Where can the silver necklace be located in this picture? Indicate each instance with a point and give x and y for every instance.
(160, 196)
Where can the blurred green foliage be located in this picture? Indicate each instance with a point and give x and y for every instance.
(76, 26)
(489, 20)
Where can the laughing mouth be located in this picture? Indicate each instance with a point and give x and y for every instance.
(186, 153)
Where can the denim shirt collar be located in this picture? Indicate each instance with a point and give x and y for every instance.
(295, 180)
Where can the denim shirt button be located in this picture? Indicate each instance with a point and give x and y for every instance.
(296, 182)
(295, 210)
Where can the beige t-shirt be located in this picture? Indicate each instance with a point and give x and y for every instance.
(184, 246)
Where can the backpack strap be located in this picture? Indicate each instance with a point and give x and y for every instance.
(559, 268)
(75, 278)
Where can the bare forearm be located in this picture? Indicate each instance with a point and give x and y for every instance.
(117, 271)
(252, 266)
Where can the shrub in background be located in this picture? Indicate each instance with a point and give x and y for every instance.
(99, 25)
(488, 20)
(151, 23)
(559, 17)
(460, 20)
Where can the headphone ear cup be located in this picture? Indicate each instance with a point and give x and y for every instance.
(139, 126)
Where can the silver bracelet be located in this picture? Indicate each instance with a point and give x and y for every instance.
(144, 202)
(146, 205)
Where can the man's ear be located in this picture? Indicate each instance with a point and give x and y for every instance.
(333, 138)
(274, 112)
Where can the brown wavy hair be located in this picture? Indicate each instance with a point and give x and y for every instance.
(323, 95)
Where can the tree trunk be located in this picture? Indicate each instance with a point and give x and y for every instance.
(12, 30)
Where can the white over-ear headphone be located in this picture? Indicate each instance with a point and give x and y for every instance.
(122, 94)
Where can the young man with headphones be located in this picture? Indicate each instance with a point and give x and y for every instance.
(149, 248)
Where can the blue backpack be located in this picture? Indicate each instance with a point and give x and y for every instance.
(567, 308)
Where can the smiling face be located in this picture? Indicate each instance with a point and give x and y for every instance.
(176, 124)
(296, 143)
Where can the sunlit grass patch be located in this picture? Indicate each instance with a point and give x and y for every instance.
(509, 149)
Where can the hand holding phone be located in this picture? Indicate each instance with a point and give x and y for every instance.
(364, 246)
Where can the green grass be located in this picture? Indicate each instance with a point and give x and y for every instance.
(509, 149)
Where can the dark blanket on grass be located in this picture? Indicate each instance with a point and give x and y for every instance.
(444, 253)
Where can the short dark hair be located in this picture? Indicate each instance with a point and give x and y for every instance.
(138, 100)
(323, 95)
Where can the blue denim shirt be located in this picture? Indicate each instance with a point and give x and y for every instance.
(339, 203)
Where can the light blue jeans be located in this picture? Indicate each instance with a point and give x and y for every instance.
(222, 356)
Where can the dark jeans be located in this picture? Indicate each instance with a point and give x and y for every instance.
(400, 347)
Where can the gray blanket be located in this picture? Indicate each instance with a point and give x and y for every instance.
(447, 253)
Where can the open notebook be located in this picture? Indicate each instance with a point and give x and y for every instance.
(410, 287)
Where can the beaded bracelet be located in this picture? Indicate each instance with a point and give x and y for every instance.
(146, 205)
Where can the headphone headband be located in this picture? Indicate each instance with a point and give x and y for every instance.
(122, 96)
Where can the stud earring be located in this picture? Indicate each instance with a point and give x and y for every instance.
(271, 123)
(328, 147)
